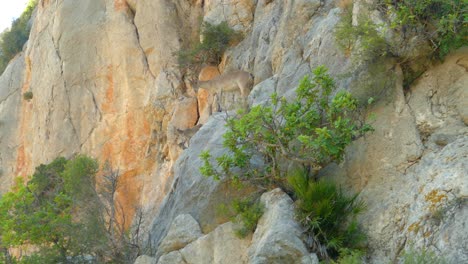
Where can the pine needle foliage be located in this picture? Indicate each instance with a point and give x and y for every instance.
(328, 215)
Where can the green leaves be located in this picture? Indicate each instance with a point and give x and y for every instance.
(12, 40)
(53, 209)
(311, 130)
(443, 21)
(215, 40)
(248, 212)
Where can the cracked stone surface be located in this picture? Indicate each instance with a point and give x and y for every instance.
(183, 230)
(11, 82)
(414, 167)
(105, 83)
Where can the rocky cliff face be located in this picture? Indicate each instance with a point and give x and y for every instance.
(105, 82)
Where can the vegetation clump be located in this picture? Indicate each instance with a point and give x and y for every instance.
(28, 95)
(309, 132)
(439, 23)
(421, 256)
(328, 215)
(412, 33)
(244, 212)
(443, 23)
(215, 39)
(13, 39)
(61, 214)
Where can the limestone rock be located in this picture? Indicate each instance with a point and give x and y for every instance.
(205, 105)
(413, 167)
(11, 95)
(277, 238)
(440, 206)
(185, 114)
(261, 93)
(439, 99)
(183, 231)
(218, 247)
(143, 259)
(238, 13)
(310, 259)
(172, 258)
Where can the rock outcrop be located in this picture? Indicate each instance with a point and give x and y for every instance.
(11, 94)
(105, 82)
(277, 239)
(412, 170)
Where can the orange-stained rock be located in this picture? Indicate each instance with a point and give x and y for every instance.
(120, 5)
(205, 102)
(185, 114)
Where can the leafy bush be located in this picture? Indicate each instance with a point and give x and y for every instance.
(41, 212)
(371, 42)
(28, 95)
(310, 130)
(12, 40)
(328, 215)
(60, 213)
(247, 213)
(348, 256)
(441, 22)
(215, 40)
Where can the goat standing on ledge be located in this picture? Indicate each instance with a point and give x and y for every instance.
(231, 81)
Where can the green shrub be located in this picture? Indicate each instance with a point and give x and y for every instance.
(247, 213)
(348, 256)
(42, 212)
(371, 42)
(441, 22)
(310, 130)
(421, 256)
(60, 212)
(12, 40)
(215, 40)
(328, 215)
(28, 95)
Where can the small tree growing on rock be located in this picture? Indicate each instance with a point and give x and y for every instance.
(215, 40)
(311, 131)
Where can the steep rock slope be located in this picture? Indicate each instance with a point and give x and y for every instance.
(105, 83)
(11, 83)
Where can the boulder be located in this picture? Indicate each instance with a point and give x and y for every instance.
(218, 247)
(184, 230)
(173, 257)
(277, 238)
(143, 259)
